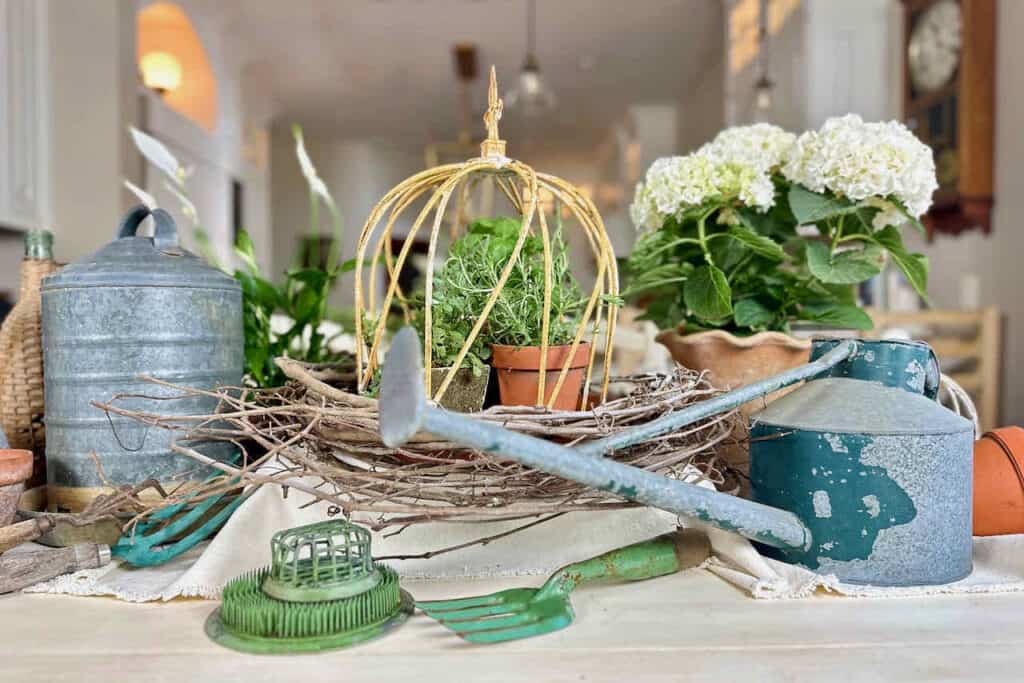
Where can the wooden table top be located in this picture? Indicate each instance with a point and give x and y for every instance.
(690, 626)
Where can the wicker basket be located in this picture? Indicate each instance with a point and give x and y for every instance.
(21, 359)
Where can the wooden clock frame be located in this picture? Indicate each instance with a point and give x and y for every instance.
(969, 206)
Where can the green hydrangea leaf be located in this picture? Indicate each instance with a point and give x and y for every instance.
(843, 268)
(844, 316)
(753, 314)
(707, 294)
(914, 266)
(811, 207)
(759, 244)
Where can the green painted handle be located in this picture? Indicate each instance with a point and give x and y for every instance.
(665, 554)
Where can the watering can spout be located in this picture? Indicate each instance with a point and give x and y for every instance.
(404, 411)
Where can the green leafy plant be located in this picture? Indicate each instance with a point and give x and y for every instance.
(730, 256)
(302, 297)
(472, 271)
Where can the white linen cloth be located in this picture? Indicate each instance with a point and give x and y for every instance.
(998, 568)
(243, 544)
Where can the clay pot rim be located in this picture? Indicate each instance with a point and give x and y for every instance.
(770, 338)
(15, 466)
(528, 357)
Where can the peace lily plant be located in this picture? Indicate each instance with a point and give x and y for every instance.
(760, 228)
(296, 302)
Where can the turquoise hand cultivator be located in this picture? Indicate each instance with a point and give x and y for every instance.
(859, 472)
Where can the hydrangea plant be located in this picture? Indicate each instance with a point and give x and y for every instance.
(720, 246)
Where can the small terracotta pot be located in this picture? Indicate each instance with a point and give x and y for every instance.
(732, 362)
(999, 482)
(15, 470)
(518, 373)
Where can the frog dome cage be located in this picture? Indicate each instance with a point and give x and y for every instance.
(526, 190)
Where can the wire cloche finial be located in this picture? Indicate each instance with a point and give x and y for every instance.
(493, 145)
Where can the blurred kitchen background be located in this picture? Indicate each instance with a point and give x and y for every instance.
(595, 90)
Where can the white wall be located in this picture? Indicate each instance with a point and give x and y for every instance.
(216, 157)
(91, 104)
(831, 57)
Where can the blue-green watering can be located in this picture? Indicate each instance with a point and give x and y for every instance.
(859, 472)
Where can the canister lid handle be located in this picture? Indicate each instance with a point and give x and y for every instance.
(165, 234)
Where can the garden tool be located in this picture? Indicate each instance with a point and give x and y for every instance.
(322, 591)
(28, 530)
(152, 542)
(22, 569)
(859, 472)
(523, 612)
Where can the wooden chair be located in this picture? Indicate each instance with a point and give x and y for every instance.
(969, 347)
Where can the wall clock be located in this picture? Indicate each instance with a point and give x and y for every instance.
(949, 102)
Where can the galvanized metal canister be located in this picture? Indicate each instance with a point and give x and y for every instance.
(140, 306)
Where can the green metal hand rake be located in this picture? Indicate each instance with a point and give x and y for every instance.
(523, 612)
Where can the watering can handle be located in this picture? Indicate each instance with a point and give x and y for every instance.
(165, 235)
(932, 376)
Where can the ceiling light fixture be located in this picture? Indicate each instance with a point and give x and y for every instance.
(161, 72)
(531, 95)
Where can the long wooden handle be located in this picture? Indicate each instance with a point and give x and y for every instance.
(23, 532)
(20, 570)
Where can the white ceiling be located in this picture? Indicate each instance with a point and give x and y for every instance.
(384, 68)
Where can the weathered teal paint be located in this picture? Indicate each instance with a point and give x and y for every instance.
(907, 365)
(844, 502)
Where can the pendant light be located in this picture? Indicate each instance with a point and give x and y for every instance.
(763, 86)
(531, 96)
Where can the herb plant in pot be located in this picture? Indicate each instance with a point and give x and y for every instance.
(722, 265)
(452, 320)
(514, 328)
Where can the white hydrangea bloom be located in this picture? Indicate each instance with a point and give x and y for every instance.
(859, 160)
(671, 185)
(761, 146)
(674, 184)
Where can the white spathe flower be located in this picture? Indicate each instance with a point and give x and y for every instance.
(157, 154)
(316, 184)
(859, 160)
(143, 196)
(761, 146)
(675, 184)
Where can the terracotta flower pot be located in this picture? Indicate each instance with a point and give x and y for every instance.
(999, 482)
(518, 373)
(15, 470)
(732, 362)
